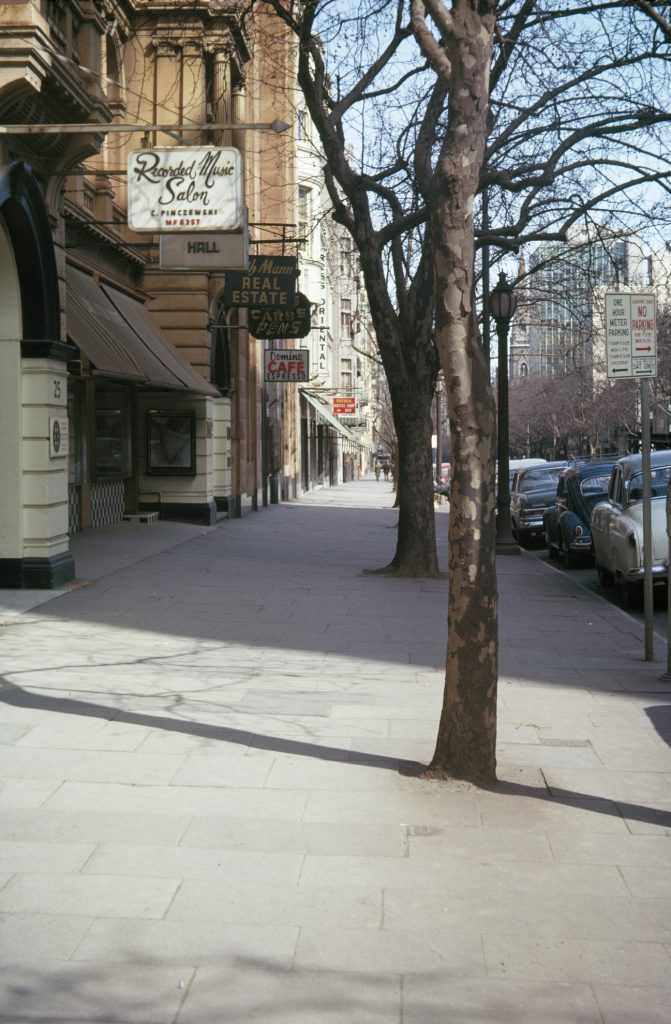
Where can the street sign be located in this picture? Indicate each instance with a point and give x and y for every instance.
(287, 365)
(631, 335)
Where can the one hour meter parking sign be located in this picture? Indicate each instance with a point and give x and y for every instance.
(631, 335)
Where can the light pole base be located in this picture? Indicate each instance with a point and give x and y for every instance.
(507, 546)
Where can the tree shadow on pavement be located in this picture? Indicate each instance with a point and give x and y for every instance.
(16, 696)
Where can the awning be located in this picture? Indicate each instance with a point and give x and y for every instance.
(328, 416)
(122, 341)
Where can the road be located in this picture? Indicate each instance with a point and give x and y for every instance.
(587, 577)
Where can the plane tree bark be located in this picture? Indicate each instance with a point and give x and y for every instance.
(461, 57)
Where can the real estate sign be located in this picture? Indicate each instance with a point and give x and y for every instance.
(185, 189)
(631, 335)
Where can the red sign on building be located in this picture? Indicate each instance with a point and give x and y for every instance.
(344, 406)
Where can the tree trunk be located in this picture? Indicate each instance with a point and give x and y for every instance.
(466, 743)
(416, 553)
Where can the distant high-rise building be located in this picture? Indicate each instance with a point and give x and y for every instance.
(553, 331)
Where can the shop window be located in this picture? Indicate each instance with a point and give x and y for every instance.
(113, 453)
(171, 442)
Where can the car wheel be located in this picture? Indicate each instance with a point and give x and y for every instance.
(605, 576)
(632, 593)
(523, 538)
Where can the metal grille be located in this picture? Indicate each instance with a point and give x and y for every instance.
(107, 502)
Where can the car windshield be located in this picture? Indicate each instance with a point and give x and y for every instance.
(595, 488)
(538, 478)
(659, 479)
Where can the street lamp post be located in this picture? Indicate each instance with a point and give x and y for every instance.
(502, 303)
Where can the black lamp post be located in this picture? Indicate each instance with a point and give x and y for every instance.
(502, 303)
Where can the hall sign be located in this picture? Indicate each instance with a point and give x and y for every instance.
(269, 323)
(270, 282)
(185, 189)
(287, 365)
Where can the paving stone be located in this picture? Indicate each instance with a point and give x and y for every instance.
(384, 952)
(49, 992)
(322, 907)
(296, 837)
(575, 960)
(623, 1004)
(39, 857)
(187, 944)
(40, 936)
(237, 867)
(22, 825)
(259, 994)
(91, 895)
(436, 999)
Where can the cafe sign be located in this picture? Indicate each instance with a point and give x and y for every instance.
(185, 189)
(287, 365)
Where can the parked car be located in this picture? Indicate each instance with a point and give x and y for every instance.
(567, 523)
(617, 526)
(533, 490)
(515, 464)
(443, 486)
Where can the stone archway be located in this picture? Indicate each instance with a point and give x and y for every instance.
(34, 546)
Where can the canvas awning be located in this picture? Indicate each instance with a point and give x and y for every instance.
(329, 418)
(122, 341)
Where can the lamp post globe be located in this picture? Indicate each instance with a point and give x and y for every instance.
(502, 305)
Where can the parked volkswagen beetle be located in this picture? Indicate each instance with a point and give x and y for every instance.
(567, 523)
(617, 526)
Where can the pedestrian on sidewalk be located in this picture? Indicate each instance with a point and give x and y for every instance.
(386, 471)
(377, 470)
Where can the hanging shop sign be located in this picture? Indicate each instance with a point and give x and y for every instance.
(270, 283)
(268, 324)
(185, 189)
(288, 365)
(225, 250)
(344, 406)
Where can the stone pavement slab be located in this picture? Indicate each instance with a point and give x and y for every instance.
(206, 815)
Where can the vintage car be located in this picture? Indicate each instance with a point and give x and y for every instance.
(617, 526)
(533, 490)
(567, 523)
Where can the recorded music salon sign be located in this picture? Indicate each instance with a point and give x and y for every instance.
(185, 189)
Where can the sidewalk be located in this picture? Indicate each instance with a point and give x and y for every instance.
(202, 818)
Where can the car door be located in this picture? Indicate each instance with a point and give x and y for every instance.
(609, 528)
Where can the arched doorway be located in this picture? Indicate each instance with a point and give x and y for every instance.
(34, 546)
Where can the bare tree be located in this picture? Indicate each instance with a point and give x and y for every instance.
(374, 195)
(557, 114)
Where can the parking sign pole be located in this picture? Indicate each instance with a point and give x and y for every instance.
(647, 518)
(667, 675)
